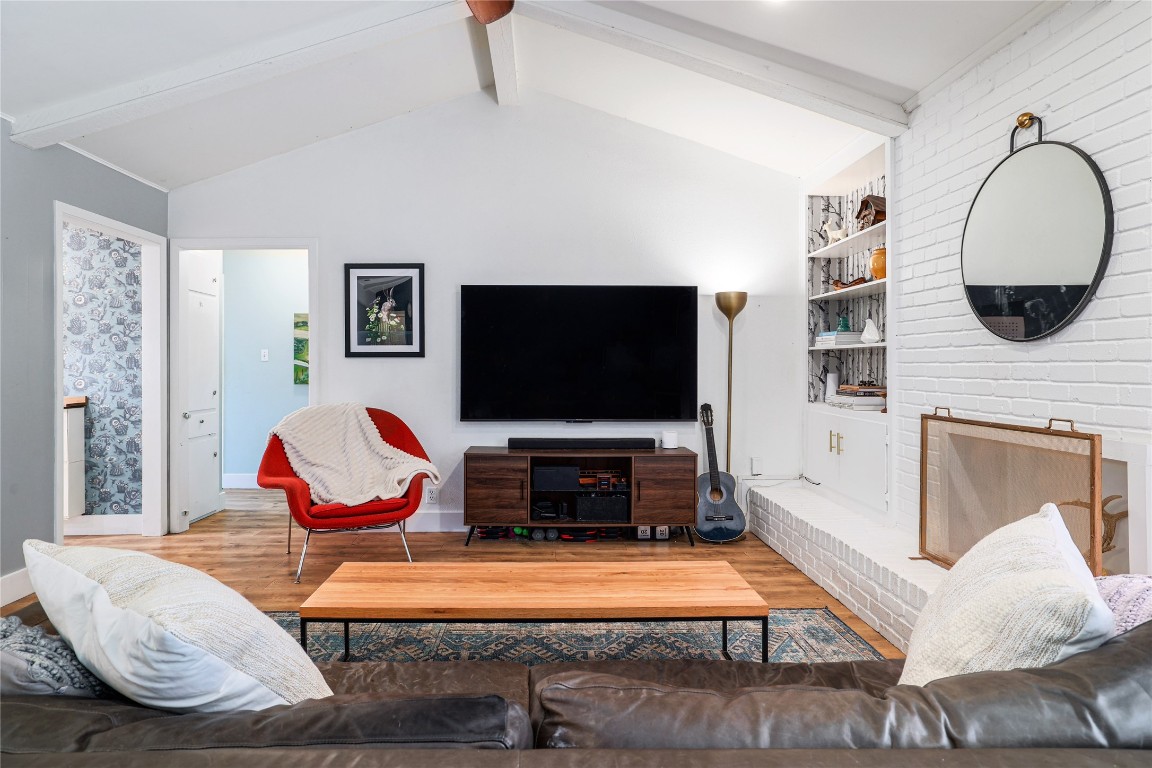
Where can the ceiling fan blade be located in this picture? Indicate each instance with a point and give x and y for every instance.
(488, 11)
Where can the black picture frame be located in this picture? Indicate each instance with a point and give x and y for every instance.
(384, 310)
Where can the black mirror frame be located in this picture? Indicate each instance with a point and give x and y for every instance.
(1105, 251)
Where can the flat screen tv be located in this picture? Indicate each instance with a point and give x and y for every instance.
(577, 353)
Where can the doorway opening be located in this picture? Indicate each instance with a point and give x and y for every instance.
(242, 318)
(111, 363)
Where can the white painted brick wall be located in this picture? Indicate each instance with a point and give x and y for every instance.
(1087, 70)
(861, 563)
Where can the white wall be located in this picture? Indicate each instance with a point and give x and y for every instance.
(1086, 71)
(547, 192)
(262, 291)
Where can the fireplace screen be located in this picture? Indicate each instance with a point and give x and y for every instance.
(977, 476)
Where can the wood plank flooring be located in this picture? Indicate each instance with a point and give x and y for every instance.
(244, 546)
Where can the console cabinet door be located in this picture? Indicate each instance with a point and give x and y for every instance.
(496, 490)
(664, 490)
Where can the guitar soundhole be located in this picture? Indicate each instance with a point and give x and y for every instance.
(716, 494)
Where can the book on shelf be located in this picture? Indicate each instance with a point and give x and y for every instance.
(856, 403)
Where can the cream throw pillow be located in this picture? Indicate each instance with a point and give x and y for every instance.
(166, 635)
(1021, 597)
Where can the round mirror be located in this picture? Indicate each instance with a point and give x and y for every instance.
(1037, 240)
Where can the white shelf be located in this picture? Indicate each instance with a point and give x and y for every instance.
(864, 289)
(877, 345)
(820, 405)
(864, 240)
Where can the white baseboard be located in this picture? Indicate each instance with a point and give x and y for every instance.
(14, 586)
(239, 482)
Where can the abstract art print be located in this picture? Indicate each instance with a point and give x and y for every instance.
(384, 310)
(300, 348)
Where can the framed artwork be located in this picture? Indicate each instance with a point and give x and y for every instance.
(384, 310)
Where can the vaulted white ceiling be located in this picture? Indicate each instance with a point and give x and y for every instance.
(175, 91)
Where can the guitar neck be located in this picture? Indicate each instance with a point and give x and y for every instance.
(713, 469)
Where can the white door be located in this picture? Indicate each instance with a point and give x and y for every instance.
(195, 450)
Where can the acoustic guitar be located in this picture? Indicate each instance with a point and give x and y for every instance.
(718, 516)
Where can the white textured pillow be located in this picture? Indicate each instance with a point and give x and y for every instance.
(166, 635)
(1021, 597)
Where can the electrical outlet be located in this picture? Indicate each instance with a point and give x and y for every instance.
(431, 494)
(661, 532)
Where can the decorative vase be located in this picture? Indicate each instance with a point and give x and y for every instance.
(844, 326)
(878, 264)
(870, 334)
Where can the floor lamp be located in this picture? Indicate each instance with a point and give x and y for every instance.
(730, 303)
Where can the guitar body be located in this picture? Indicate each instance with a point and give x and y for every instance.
(718, 516)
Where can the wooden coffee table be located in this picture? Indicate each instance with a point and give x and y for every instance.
(536, 592)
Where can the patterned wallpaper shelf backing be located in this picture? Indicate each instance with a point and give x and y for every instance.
(857, 364)
(102, 321)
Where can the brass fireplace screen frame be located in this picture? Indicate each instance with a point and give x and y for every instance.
(989, 490)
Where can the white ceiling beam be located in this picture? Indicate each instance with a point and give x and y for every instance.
(502, 48)
(755, 73)
(253, 64)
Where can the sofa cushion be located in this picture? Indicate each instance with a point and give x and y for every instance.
(34, 662)
(872, 677)
(65, 724)
(1095, 699)
(1129, 597)
(166, 635)
(507, 679)
(1020, 597)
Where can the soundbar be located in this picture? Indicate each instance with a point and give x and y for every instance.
(581, 443)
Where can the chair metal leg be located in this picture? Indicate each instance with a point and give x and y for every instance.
(289, 534)
(404, 539)
(303, 552)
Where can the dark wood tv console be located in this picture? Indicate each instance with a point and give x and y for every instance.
(579, 488)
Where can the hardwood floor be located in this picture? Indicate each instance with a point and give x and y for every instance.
(244, 546)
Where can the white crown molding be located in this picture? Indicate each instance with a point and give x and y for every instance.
(257, 63)
(754, 73)
(1007, 35)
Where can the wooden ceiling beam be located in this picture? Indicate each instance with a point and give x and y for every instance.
(253, 64)
(760, 75)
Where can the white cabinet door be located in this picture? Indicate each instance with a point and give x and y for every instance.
(863, 460)
(820, 463)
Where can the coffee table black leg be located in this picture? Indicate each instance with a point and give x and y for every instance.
(724, 639)
(304, 634)
(347, 653)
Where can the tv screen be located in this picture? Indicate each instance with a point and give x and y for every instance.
(577, 353)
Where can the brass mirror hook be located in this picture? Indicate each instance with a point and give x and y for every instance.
(1025, 120)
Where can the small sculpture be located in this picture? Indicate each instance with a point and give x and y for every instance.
(834, 235)
(870, 334)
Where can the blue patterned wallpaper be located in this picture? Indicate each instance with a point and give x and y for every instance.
(102, 319)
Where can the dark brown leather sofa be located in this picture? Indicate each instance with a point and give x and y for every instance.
(1092, 709)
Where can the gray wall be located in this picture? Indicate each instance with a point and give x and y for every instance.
(30, 180)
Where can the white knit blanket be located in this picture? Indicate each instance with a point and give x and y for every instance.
(337, 450)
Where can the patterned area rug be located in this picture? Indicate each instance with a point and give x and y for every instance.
(804, 635)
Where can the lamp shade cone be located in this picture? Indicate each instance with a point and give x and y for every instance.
(731, 303)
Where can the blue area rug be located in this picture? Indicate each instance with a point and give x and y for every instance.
(803, 635)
